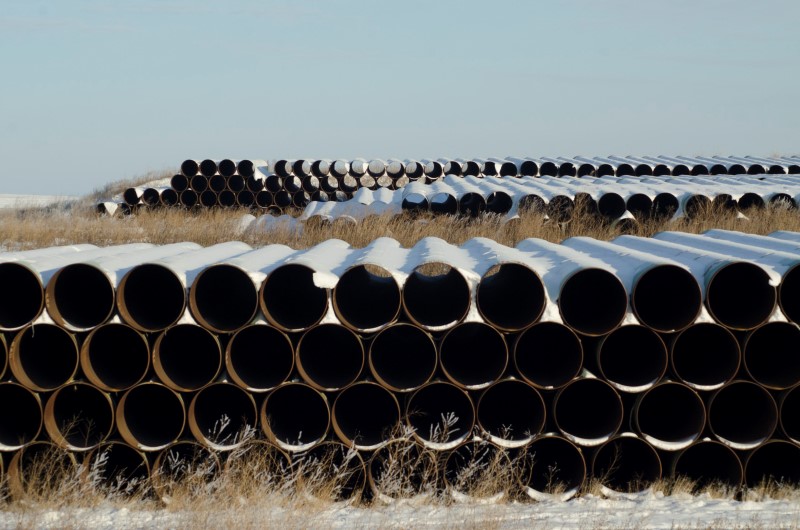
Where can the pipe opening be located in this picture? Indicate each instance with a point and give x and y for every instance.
(222, 416)
(782, 201)
(168, 197)
(441, 415)
(283, 199)
(529, 168)
(332, 471)
(718, 169)
(150, 416)
(273, 183)
(246, 168)
(489, 169)
(472, 204)
(226, 199)
(227, 168)
(627, 464)
(667, 298)
(611, 205)
(79, 416)
(444, 204)
(188, 198)
(245, 198)
(696, 205)
(770, 355)
(586, 170)
(366, 298)
(643, 170)
(742, 414)
(473, 355)
(80, 296)
(478, 470)
(705, 356)
(402, 357)
(330, 357)
(208, 168)
(301, 199)
(680, 170)
(436, 295)
(553, 466)
(567, 169)
(43, 357)
(757, 169)
(606, 170)
(235, 183)
(23, 296)
(790, 414)
(776, 463)
(588, 411)
(295, 416)
(208, 199)
(532, 204)
(21, 419)
(512, 412)
(151, 197)
(199, 183)
(253, 184)
(223, 298)
(499, 203)
(263, 199)
(470, 168)
(709, 463)
(40, 466)
(187, 357)
(788, 294)
(699, 169)
(189, 168)
(150, 297)
(737, 169)
(662, 170)
(217, 183)
(259, 358)
(401, 469)
(560, 208)
(119, 467)
(365, 415)
(548, 355)
(632, 358)
(311, 184)
(625, 170)
(671, 416)
(115, 357)
(640, 205)
(593, 301)
(740, 296)
(508, 169)
(665, 205)
(415, 202)
(511, 296)
(131, 196)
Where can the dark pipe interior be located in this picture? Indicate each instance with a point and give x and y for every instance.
(529, 168)
(508, 169)
(151, 197)
(490, 169)
(153, 414)
(223, 413)
(301, 168)
(661, 170)
(705, 355)
(696, 205)
(605, 170)
(737, 169)
(415, 202)
(83, 414)
(548, 169)
(283, 199)
(48, 355)
(633, 356)
(296, 414)
(643, 170)
(189, 355)
(548, 355)
(199, 183)
(273, 183)
(585, 205)
(740, 296)
(226, 198)
(672, 413)
(667, 298)
(511, 410)
(246, 168)
(718, 169)
(208, 167)
(788, 294)
(366, 300)
(235, 183)
(665, 205)
(337, 473)
(431, 405)
(471, 468)
(151, 297)
(770, 355)
(401, 469)
(81, 295)
(552, 463)
(366, 414)
(790, 414)
(21, 418)
(208, 199)
(189, 168)
(119, 466)
(472, 204)
(264, 199)
(708, 463)
(330, 356)
(723, 202)
(593, 301)
(254, 184)
(567, 169)
(301, 199)
(188, 198)
(699, 169)
(611, 205)
(224, 298)
(774, 463)
(589, 409)
(471, 168)
(743, 413)
(403, 357)
(511, 296)
(452, 168)
(245, 198)
(680, 170)
(169, 197)
(473, 354)
(532, 203)
(261, 357)
(23, 296)
(626, 464)
(625, 170)
(499, 202)
(640, 205)
(227, 167)
(60, 467)
(131, 196)
(444, 204)
(290, 298)
(118, 355)
(436, 300)
(757, 169)
(586, 170)
(292, 184)
(783, 200)
(560, 208)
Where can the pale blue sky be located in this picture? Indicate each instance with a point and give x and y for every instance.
(95, 91)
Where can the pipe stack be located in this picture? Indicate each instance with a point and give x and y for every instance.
(626, 361)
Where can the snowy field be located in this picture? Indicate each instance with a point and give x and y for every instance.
(10, 201)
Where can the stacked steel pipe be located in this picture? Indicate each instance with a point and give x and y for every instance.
(626, 361)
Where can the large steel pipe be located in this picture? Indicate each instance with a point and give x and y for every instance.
(709, 463)
(79, 416)
(592, 301)
(666, 298)
(441, 415)
(742, 415)
(150, 416)
(705, 356)
(401, 469)
(626, 464)
(402, 357)
(331, 471)
(187, 357)
(259, 358)
(436, 300)
(295, 417)
(3, 355)
(588, 411)
(20, 418)
(478, 470)
(771, 357)
(329, 357)
(511, 413)
(23, 298)
(118, 468)
(291, 300)
(43, 357)
(189, 168)
(774, 464)
(632, 358)
(671, 416)
(115, 357)
(552, 467)
(548, 355)
(473, 355)
(208, 167)
(188, 198)
(366, 298)
(80, 297)
(790, 413)
(222, 416)
(511, 296)
(39, 468)
(365, 415)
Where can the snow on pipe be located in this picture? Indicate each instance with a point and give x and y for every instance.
(511, 296)
(187, 357)
(221, 415)
(180, 462)
(132, 196)
(770, 355)
(150, 416)
(118, 465)
(552, 467)
(258, 358)
(626, 464)
(329, 357)
(707, 463)
(776, 463)
(742, 415)
(703, 367)
(43, 357)
(441, 415)
(401, 469)
(588, 411)
(365, 415)
(548, 355)
(291, 300)
(295, 416)
(79, 416)
(21, 418)
(436, 300)
(475, 471)
(402, 357)
(473, 355)
(670, 416)
(366, 298)
(511, 413)
(25, 469)
(632, 358)
(331, 471)
(114, 357)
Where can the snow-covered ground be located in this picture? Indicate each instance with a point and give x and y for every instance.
(12, 201)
